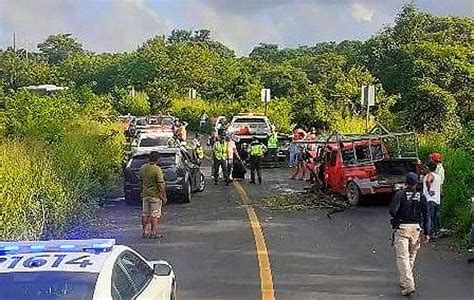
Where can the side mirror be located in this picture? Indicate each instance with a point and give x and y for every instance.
(162, 269)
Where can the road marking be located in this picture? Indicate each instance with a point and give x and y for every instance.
(266, 280)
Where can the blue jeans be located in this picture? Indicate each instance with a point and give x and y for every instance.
(433, 223)
(293, 155)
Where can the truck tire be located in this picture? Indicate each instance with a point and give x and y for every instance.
(353, 193)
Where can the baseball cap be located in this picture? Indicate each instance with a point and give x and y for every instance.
(436, 156)
(412, 178)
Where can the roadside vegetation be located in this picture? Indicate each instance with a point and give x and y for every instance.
(58, 155)
(421, 67)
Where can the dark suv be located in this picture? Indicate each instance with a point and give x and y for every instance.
(182, 175)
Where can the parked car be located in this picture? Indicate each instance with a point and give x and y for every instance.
(151, 140)
(81, 269)
(182, 174)
(138, 125)
(165, 122)
(358, 166)
(244, 127)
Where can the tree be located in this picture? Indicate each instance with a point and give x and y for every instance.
(265, 52)
(18, 72)
(284, 80)
(311, 109)
(56, 48)
(430, 108)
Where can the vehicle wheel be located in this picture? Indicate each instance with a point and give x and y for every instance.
(187, 192)
(353, 193)
(202, 186)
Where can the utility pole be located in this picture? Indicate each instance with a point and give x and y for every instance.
(14, 42)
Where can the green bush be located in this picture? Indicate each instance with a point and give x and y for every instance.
(456, 201)
(51, 176)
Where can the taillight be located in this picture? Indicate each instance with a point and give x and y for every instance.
(170, 174)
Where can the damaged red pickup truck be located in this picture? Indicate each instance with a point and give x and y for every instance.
(357, 166)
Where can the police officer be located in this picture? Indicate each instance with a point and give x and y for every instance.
(219, 153)
(409, 211)
(272, 145)
(257, 150)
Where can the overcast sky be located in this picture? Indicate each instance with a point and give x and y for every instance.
(121, 25)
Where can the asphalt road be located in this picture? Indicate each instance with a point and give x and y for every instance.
(211, 245)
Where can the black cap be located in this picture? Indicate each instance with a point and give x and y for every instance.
(412, 178)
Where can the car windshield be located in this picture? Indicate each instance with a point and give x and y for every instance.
(255, 125)
(153, 141)
(47, 285)
(166, 160)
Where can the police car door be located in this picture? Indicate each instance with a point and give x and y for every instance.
(144, 285)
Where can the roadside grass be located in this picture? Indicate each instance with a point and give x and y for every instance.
(56, 161)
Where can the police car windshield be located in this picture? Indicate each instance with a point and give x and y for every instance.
(47, 285)
(166, 160)
(153, 141)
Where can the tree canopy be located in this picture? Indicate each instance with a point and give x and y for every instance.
(421, 66)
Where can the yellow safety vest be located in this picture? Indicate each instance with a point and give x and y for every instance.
(272, 141)
(256, 150)
(219, 151)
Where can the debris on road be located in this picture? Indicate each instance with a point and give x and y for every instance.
(310, 198)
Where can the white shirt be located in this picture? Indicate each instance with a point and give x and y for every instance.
(435, 187)
(440, 172)
(231, 149)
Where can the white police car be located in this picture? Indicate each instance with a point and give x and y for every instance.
(81, 269)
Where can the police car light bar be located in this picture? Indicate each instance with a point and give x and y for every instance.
(93, 245)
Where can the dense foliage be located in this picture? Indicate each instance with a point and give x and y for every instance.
(59, 152)
(421, 67)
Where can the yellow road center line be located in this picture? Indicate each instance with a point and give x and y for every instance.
(266, 279)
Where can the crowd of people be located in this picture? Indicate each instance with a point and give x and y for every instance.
(414, 210)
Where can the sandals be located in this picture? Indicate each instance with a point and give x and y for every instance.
(155, 236)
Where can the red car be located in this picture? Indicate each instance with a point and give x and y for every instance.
(360, 166)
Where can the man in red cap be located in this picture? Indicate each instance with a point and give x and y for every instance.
(436, 158)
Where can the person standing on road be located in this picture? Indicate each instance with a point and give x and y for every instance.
(202, 121)
(436, 159)
(153, 192)
(272, 146)
(409, 211)
(231, 154)
(219, 154)
(432, 192)
(257, 150)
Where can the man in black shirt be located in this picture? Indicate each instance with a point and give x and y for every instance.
(409, 210)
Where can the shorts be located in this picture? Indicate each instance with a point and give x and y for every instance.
(152, 207)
